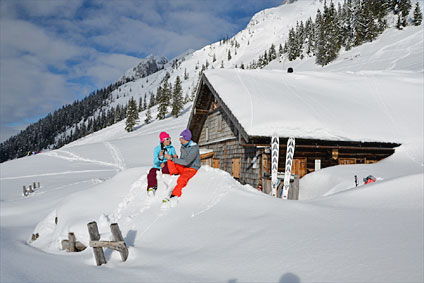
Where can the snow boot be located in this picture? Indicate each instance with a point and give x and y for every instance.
(152, 191)
(168, 199)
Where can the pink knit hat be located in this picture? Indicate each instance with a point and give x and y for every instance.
(163, 136)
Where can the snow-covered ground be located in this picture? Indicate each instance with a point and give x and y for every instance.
(221, 231)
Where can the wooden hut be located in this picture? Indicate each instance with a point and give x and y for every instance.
(235, 113)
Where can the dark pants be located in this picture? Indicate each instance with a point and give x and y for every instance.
(151, 177)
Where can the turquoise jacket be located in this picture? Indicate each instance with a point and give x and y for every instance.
(156, 160)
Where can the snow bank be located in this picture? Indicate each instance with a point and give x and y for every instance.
(222, 231)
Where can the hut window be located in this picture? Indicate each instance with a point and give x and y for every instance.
(219, 123)
(335, 154)
(347, 161)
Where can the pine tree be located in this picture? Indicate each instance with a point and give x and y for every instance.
(177, 98)
(164, 101)
(148, 116)
(158, 95)
(399, 23)
(300, 37)
(404, 8)
(186, 98)
(418, 16)
(222, 64)
(309, 36)
(359, 23)
(132, 115)
(152, 101)
(214, 58)
(229, 55)
(185, 74)
(280, 51)
(272, 53)
(347, 25)
(292, 45)
(319, 40)
(371, 30)
(140, 104)
(394, 6)
(145, 102)
(117, 114)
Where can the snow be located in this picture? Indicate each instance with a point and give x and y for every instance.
(324, 105)
(222, 231)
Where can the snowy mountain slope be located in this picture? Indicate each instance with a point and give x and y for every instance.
(392, 50)
(151, 64)
(221, 230)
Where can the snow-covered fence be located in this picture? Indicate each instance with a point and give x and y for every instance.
(117, 244)
(30, 189)
(72, 245)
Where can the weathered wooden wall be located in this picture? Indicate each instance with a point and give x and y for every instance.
(220, 135)
(218, 128)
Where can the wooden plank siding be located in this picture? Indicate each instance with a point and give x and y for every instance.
(211, 126)
(220, 134)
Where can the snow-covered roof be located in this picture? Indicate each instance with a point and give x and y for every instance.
(361, 106)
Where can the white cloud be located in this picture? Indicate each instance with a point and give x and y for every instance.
(54, 52)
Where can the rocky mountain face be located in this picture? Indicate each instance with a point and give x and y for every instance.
(151, 64)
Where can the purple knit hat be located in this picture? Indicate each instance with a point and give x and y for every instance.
(186, 134)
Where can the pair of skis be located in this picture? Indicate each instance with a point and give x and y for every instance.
(275, 149)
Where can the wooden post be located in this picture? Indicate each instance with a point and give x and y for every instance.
(260, 171)
(38, 185)
(294, 188)
(25, 191)
(71, 244)
(34, 185)
(117, 236)
(78, 245)
(30, 189)
(95, 236)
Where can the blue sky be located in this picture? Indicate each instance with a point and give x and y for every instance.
(54, 52)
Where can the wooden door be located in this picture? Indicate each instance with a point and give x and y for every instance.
(236, 162)
(347, 161)
(215, 163)
(299, 167)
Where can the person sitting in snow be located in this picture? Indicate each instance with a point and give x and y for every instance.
(160, 161)
(369, 179)
(186, 166)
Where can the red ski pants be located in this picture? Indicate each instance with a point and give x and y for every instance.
(186, 173)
